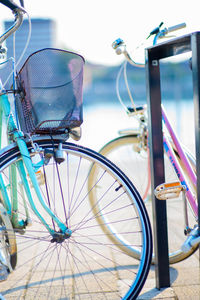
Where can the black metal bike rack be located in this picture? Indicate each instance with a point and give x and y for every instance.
(186, 43)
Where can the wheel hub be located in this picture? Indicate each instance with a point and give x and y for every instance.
(59, 237)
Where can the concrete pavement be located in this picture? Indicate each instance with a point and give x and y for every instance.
(184, 278)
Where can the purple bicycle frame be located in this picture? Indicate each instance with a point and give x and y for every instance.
(170, 153)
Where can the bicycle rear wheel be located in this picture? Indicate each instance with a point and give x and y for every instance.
(87, 265)
(127, 153)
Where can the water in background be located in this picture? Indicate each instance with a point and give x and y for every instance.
(102, 122)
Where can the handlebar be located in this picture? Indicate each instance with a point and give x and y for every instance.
(120, 47)
(18, 12)
(10, 4)
(162, 33)
(176, 27)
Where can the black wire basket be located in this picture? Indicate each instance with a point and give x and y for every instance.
(50, 85)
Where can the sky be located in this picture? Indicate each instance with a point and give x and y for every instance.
(90, 26)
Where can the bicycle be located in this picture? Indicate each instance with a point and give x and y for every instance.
(130, 152)
(51, 244)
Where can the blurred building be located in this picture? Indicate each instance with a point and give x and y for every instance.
(43, 35)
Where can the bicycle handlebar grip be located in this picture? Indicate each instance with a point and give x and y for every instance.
(176, 27)
(10, 4)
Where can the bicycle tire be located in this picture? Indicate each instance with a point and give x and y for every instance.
(89, 265)
(126, 152)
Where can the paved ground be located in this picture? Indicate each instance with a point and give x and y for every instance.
(185, 282)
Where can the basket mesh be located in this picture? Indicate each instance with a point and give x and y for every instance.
(50, 84)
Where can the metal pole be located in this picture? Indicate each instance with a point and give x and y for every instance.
(195, 47)
(157, 171)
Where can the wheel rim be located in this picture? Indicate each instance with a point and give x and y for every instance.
(125, 152)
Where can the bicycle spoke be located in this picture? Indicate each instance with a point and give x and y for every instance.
(88, 264)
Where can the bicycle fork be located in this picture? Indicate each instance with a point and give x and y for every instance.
(34, 181)
(26, 163)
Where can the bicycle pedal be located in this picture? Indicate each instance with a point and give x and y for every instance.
(168, 190)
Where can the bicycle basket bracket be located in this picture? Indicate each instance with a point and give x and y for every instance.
(50, 84)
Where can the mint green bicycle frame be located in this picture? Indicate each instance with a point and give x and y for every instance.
(11, 203)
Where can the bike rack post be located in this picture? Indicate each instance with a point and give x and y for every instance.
(157, 171)
(190, 42)
(195, 46)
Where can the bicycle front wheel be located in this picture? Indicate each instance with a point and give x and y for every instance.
(86, 265)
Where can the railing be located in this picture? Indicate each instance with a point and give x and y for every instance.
(190, 42)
